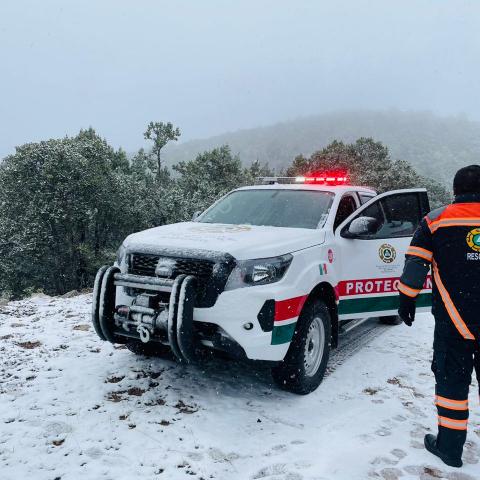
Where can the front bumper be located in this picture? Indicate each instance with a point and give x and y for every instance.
(233, 324)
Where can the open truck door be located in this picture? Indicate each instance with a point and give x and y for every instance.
(374, 239)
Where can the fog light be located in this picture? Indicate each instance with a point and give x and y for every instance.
(248, 326)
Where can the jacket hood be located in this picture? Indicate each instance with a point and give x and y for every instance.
(241, 241)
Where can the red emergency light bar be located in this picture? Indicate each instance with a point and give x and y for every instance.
(330, 178)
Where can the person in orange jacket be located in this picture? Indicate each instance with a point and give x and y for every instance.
(447, 241)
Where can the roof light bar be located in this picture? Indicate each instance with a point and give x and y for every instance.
(330, 179)
(324, 179)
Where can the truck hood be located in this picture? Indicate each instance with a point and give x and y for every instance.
(241, 241)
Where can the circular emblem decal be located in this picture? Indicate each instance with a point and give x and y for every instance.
(330, 255)
(387, 253)
(473, 239)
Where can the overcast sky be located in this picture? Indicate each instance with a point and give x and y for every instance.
(216, 65)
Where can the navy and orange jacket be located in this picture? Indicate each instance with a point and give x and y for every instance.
(448, 241)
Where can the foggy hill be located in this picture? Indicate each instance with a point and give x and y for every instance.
(435, 145)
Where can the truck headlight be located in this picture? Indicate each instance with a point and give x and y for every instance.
(260, 271)
(121, 252)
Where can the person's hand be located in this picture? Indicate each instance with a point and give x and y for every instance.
(406, 310)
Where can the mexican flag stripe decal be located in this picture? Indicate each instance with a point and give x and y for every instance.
(286, 315)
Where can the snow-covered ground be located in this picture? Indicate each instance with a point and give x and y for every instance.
(74, 407)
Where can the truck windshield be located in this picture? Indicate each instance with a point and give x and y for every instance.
(270, 207)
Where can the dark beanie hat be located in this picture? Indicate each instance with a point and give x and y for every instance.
(467, 180)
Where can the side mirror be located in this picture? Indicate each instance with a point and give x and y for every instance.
(196, 215)
(360, 227)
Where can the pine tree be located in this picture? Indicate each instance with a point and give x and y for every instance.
(161, 133)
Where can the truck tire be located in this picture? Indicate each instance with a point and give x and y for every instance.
(185, 332)
(391, 320)
(106, 306)
(96, 301)
(304, 365)
(150, 349)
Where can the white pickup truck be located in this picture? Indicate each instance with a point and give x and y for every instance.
(268, 272)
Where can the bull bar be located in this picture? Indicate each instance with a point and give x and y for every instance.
(174, 317)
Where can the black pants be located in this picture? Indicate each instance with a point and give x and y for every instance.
(453, 362)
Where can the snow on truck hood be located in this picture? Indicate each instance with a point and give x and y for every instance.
(241, 241)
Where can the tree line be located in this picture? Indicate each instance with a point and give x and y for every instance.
(67, 204)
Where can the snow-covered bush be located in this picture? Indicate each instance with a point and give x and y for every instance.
(64, 207)
(67, 204)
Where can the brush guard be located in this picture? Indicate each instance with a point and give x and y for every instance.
(148, 318)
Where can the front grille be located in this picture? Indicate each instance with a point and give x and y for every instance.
(145, 264)
(211, 275)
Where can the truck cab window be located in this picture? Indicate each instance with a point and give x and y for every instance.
(346, 207)
(365, 197)
(397, 215)
(402, 215)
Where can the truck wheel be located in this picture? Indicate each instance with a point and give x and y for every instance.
(150, 349)
(304, 365)
(391, 320)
